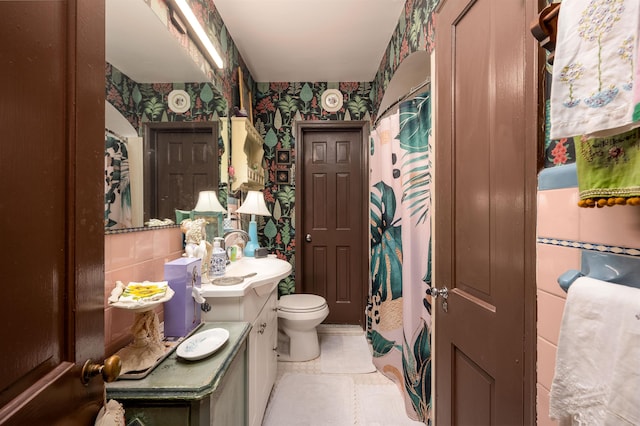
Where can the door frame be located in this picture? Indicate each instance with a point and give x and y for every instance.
(150, 161)
(300, 127)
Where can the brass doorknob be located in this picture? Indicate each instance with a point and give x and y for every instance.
(110, 370)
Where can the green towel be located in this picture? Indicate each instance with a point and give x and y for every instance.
(609, 169)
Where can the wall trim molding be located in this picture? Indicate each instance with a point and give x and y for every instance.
(602, 248)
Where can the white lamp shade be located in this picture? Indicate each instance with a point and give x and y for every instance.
(208, 202)
(254, 204)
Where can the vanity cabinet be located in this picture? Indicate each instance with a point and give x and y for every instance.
(263, 359)
(211, 391)
(259, 307)
(247, 151)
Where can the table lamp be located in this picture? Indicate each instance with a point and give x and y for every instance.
(209, 208)
(254, 205)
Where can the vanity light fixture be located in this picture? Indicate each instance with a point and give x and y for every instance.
(254, 205)
(188, 14)
(177, 22)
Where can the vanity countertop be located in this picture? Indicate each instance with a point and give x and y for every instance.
(269, 271)
(177, 379)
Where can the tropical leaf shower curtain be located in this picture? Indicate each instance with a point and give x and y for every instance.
(117, 189)
(398, 311)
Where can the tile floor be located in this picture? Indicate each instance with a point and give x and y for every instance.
(313, 366)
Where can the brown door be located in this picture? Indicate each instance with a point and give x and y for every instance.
(484, 217)
(52, 227)
(332, 216)
(183, 160)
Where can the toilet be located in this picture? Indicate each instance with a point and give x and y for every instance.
(298, 317)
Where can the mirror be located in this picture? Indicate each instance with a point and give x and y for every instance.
(148, 74)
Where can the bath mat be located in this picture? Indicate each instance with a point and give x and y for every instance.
(343, 329)
(381, 405)
(342, 354)
(312, 400)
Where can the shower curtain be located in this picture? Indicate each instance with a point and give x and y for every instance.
(117, 198)
(398, 310)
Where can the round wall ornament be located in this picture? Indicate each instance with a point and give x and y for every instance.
(332, 100)
(179, 101)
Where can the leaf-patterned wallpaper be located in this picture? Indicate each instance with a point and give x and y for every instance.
(147, 102)
(415, 32)
(275, 105)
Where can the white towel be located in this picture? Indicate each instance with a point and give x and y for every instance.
(593, 70)
(597, 374)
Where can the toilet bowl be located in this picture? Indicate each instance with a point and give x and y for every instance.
(298, 317)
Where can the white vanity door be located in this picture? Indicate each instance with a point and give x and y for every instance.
(263, 362)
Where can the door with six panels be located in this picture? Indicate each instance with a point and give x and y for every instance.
(331, 206)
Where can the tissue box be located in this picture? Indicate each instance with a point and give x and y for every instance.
(182, 313)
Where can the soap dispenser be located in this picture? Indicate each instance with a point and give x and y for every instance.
(218, 263)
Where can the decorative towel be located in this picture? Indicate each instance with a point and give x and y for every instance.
(597, 374)
(609, 170)
(147, 346)
(111, 414)
(636, 87)
(143, 292)
(591, 91)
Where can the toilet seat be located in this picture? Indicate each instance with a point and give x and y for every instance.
(301, 303)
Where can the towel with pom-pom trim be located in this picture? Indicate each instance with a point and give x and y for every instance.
(609, 170)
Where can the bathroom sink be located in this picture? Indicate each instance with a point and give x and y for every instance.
(255, 300)
(269, 271)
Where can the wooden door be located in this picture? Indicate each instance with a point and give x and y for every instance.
(183, 160)
(331, 213)
(52, 228)
(485, 214)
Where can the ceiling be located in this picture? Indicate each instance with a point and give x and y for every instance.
(311, 40)
(279, 40)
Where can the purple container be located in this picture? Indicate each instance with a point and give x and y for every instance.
(182, 313)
